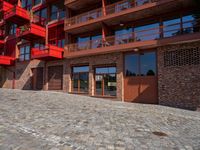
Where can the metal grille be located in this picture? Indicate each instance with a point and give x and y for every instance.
(182, 57)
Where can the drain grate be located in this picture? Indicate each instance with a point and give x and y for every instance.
(159, 133)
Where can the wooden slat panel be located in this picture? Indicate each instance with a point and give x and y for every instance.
(55, 77)
(37, 78)
(141, 89)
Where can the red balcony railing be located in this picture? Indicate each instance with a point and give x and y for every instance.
(110, 9)
(156, 33)
(48, 52)
(6, 60)
(17, 15)
(31, 31)
(5, 6)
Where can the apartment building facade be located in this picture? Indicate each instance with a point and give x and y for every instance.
(143, 51)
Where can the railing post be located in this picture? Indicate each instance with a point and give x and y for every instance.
(161, 29)
(104, 7)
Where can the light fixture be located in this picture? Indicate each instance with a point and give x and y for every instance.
(121, 24)
(136, 49)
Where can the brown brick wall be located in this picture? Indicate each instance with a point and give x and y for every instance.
(23, 74)
(179, 86)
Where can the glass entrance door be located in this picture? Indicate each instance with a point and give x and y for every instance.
(105, 81)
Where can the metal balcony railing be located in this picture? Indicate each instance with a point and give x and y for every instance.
(110, 9)
(156, 33)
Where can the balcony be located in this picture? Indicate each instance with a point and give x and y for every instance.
(5, 6)
(17, 15)
(31, 31)
(6, 60)
(48, 53)
(143, 39)
(129, 10)
(80, 4)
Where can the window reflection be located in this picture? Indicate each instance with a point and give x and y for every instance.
(143, 64)
(80, 79)
(105, 79)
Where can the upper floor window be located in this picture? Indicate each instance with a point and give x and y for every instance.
(42, 15)
(122, 36)
(36, 2)
(57, 12)
(89, 42)
(57, 36)
(12, 29)
(27, 4)
(24, 52)
(147, 32)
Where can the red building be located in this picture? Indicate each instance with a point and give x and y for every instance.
(144, 51)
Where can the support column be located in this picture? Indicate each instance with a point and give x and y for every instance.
(104, 7)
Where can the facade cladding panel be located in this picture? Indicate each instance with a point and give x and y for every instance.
(152, 56)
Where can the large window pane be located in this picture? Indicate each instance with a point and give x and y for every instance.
(123, 36)
(110, 85)
(147, 32)
(84, 82)
(131, 65)
(81, 69)
(172, 27)
(143, 64)
(148, 64)
(80, 79)
(105, 78)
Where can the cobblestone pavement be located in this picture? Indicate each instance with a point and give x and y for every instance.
(32, 120)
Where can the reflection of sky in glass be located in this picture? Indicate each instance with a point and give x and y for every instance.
(131, 64)
(96, 41)
(122, 35)
(147, 32)
(171, 27)
(83, 42)
(141, 2)
(81, 69)
(106, 70)
(147, 63)
(122, 6)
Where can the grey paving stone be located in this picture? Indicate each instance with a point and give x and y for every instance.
(32, 120)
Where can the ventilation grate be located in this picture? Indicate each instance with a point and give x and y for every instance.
(182, 57)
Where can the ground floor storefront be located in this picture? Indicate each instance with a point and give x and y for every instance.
(166, 75)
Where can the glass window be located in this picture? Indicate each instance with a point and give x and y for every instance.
(147, 32)
(13, 28)
(80, 79)
(172, 27)
(80, 69)
(96, 41)
(105, 70)
(131, 65)
(141, 2)
(24, 52)
(148, 64)
(57, 11)
(36, 2)
(105, 81)
(123, 36)
(143, 64)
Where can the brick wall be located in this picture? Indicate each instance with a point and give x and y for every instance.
(179, 85)
(23, 75)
